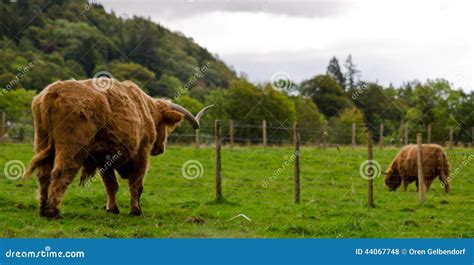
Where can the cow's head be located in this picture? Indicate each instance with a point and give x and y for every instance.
(169, 117)
(392, 179)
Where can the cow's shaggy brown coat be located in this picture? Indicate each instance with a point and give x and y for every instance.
(81, 126)
(403, 168)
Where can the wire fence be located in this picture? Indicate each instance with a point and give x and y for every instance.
(238, 133)
(244, 133)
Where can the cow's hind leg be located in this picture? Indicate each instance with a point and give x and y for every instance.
(135, 172)
(111, 187)
(44, 179)
(65, 169)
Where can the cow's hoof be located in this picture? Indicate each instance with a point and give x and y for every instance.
(136, 211)
(52, 213)
(114, 210)
(42, 211)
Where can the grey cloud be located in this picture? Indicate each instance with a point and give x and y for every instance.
(184, 9)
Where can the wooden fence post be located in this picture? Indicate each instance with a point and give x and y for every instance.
(218, 160)
(370, 170)
(450, 138)
(381, 136)
(428, 134)
(472, 137)
(264, 132)
(198, 142)
(3, 118)
(419, 164)
(405, 136)
(325, 137)
(231, 133)
(296, 136)
(353, 134)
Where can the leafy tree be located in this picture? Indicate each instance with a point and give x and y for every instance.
(168, 86)
(379, 106)
(17, 106)
(249, 105)
(309, 119)
(342, 127)
(327, 94)
(133, 72)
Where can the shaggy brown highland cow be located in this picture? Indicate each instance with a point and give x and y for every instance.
(80, 125)
(404, 167)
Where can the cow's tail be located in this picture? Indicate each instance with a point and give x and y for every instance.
(44, 143)
(39, 159)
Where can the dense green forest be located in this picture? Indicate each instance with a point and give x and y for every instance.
(44, 41)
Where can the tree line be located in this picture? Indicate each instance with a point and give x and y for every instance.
(44, 41)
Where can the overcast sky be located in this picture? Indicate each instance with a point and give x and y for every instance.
(390, 41)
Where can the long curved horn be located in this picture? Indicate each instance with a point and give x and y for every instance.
(189, 117)
(201, 112)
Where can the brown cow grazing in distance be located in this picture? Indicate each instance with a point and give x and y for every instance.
(80, 125)
(403, 168)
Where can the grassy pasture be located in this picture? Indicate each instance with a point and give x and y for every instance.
(334, 199)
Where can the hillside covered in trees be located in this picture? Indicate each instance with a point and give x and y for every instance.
(75, 39)
(44, 41)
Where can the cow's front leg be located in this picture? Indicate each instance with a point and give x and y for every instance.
(405, 184)
(445, 180)
(111, 187)
(136, 189)
(428, 184)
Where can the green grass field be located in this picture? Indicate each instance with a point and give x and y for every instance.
(334, 199)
